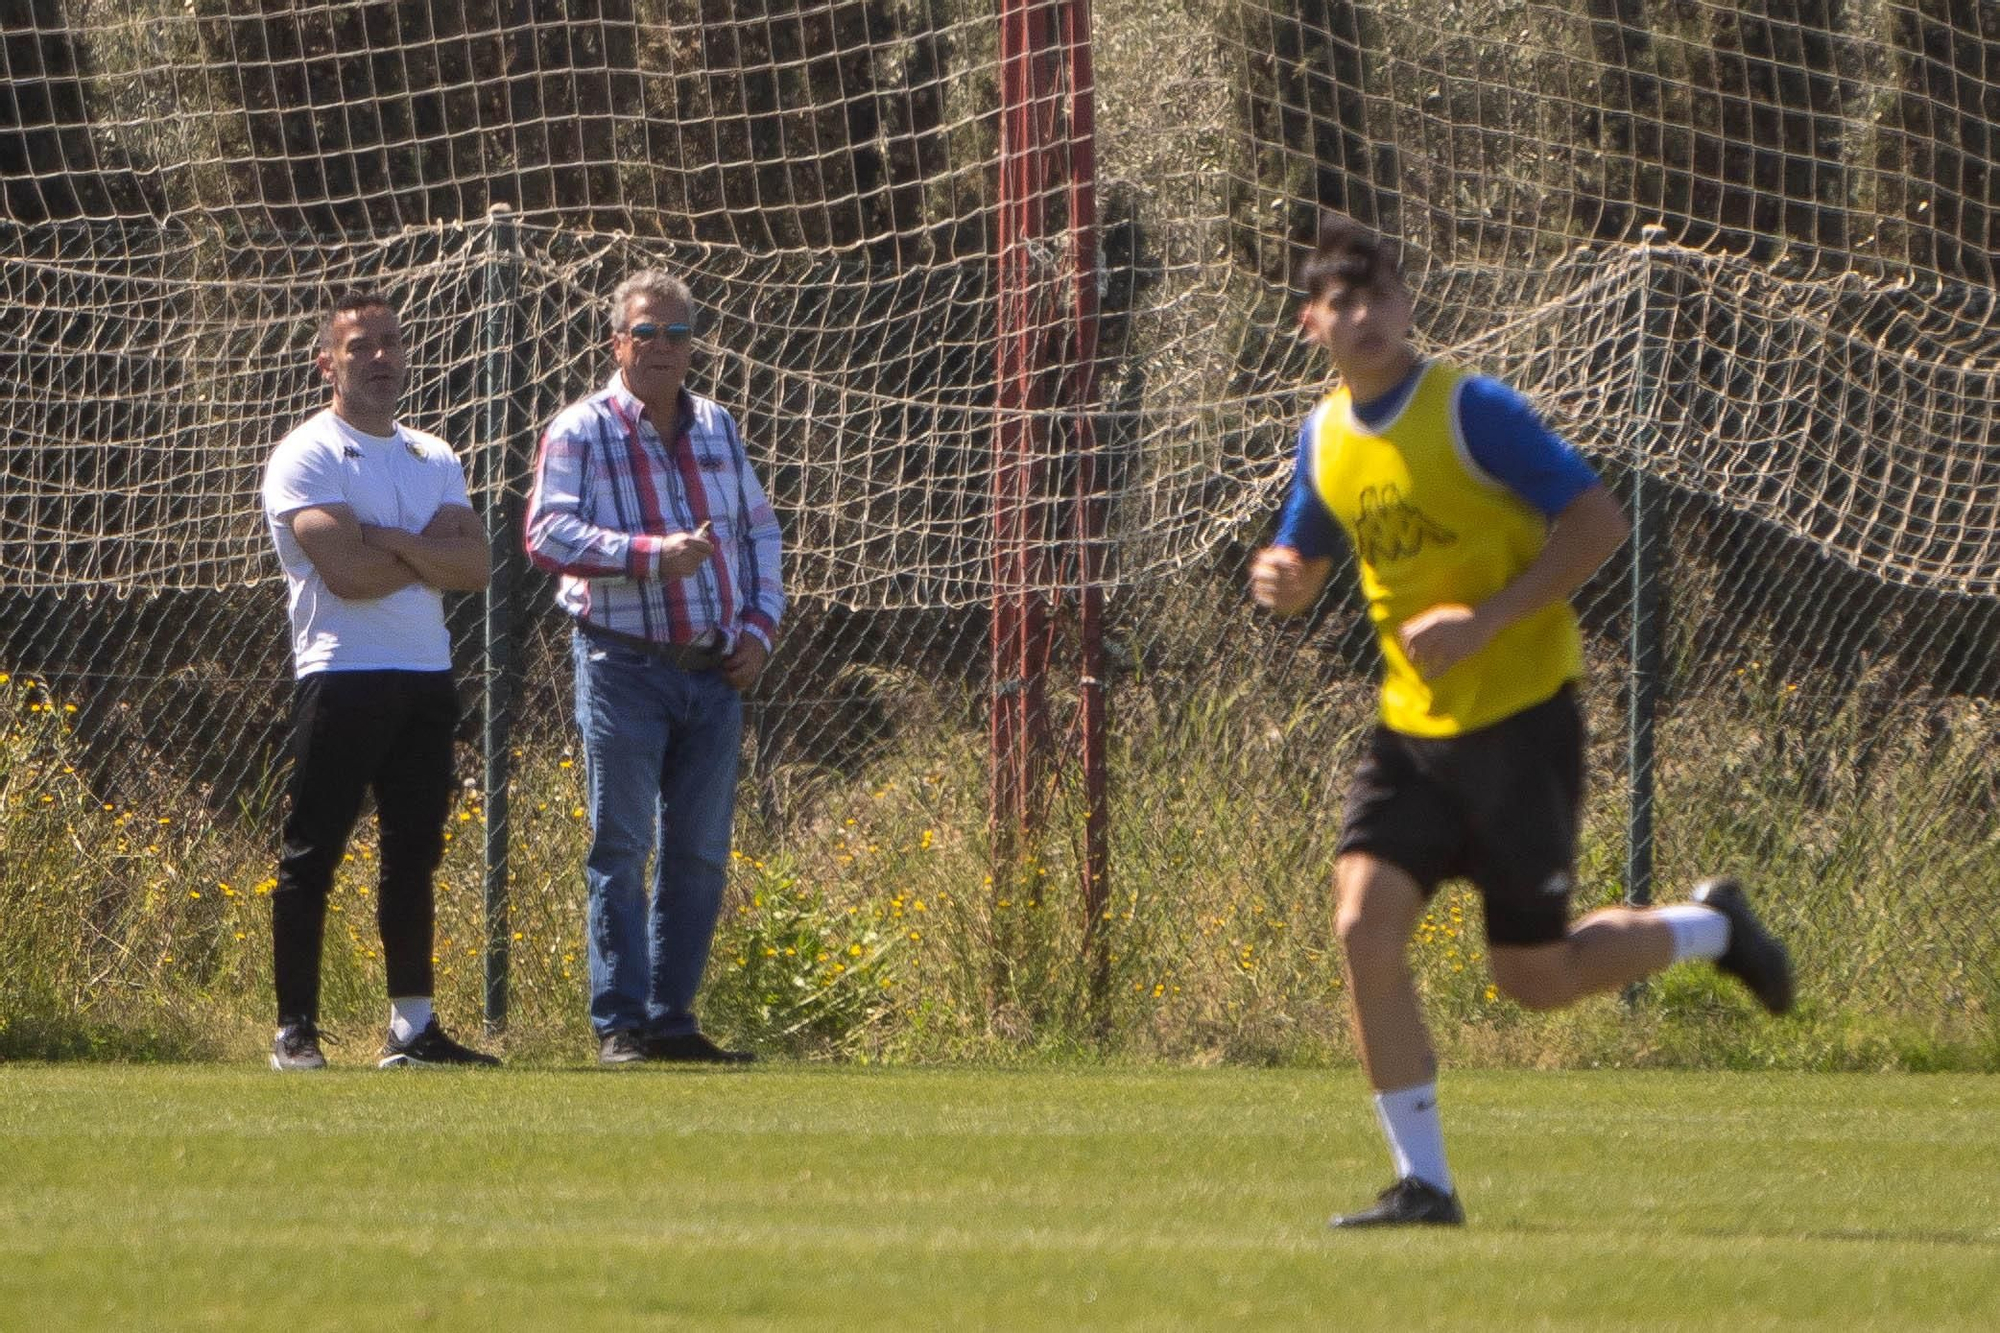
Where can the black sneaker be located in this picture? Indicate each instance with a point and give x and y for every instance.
(1408, 1202)
(1755, 956)
(432, 1048)
(621, 1048)
(296, 1047)
(694, 1048)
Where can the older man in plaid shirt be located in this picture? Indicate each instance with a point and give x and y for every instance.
(667, 553)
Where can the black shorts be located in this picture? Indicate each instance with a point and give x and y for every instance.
(1498, 806)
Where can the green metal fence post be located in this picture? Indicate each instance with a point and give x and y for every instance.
(501, 482)
(1648, 533)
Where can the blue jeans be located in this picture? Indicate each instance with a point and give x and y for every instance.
(661, 747)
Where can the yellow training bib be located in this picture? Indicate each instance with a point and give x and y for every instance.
(1429, 527)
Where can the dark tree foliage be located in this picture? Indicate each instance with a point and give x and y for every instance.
(1767, 139)
(1627, 128)
(768, 124)
(1307, 111)
(1941, 195)
(761, 125)
(362, 119)
(1745, 148)
(786, 123)
(50, 166)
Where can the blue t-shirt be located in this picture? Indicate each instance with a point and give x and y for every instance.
(1502, 431)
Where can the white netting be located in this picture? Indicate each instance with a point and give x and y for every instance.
(188, 181)
(1801, 362)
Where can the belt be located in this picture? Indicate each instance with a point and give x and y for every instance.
(687, 656)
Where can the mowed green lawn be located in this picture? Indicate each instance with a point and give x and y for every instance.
(144, 1197)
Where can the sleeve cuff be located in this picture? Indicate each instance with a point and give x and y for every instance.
(642, 556)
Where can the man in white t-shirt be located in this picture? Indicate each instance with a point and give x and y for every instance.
(372, 525)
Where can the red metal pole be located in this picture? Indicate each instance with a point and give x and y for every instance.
(1089, 518)
(1017, 724)
(1047, 143)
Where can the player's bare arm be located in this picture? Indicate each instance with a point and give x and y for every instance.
(450, 554)
(332, 539)
(1580, 539)
(1285, 582)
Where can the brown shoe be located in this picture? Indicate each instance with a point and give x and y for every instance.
(621, 1048)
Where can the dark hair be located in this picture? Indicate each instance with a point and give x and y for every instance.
(1347, 254)
(346, 303)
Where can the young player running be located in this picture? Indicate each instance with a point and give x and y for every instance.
(1471, 524)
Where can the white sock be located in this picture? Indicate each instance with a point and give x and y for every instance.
(1410, 1122)
(1699, 932)
(409, 1016)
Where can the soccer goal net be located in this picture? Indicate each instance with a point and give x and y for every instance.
(1000, 291)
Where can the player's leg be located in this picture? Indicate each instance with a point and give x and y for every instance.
(1522, 784)
(1749, 952)
(621, 717)
(1379, 907)
(1607, 950)
(1615, 946)
(335, 738)
(1398, 838)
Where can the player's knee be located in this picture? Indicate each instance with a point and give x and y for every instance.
(307, 871)
(1367, 934)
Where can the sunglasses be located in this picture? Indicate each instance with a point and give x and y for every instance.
(673, 333)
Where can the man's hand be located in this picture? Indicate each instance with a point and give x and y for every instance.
(742, 667)
(1581, 538)
(1284, 581)
(1439, 639)
(682, 553)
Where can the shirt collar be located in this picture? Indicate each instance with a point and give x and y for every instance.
(636, 410)
(1379, 409)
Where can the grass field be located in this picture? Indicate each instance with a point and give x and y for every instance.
(229, 1197)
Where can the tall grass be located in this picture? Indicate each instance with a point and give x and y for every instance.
(866, 920)
(127, 930)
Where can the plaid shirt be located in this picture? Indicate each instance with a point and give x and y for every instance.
(609, 491)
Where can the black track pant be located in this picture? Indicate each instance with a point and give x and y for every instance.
(353, 732)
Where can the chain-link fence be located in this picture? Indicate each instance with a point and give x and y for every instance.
(1791, 383)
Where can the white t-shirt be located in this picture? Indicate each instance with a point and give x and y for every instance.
(397, 481)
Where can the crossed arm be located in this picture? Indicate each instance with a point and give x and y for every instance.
(360, 561)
